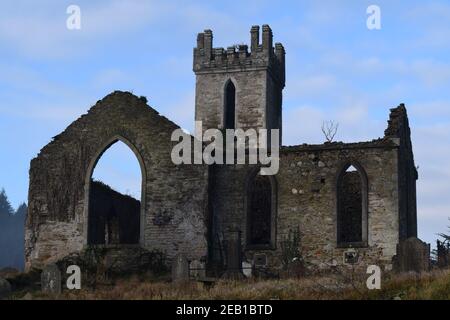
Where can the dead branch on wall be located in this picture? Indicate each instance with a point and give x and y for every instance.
(329, 130)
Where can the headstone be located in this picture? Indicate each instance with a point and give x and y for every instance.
(5, 288)
(180, 269)
(51, 279)
(197, 269)
(412, 255)
(234, 256)
(247, 269)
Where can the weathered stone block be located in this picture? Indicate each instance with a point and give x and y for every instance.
(412, 255)
(51, 279)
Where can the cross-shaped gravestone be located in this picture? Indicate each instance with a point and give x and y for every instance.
(51, 279)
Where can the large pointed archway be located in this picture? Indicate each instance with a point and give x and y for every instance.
(114, 215)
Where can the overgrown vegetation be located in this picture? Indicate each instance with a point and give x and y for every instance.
(102, 265)
(434, 285)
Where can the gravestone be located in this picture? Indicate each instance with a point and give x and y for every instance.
(197, 269)
(247, 269)
(412, 255)
(51, 279)
(5, 288)
(180, 269)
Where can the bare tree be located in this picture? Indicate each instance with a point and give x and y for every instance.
(329, 129)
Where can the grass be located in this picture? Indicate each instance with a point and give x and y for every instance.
(433, 285)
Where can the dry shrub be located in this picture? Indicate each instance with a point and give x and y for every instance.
(433, 285)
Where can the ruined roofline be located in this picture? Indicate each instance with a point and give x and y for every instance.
(393, 136)
(261, 56)
(126, 96)
(374, 144)
(106, 187)
(398, 117)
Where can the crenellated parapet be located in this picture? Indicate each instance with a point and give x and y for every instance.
(265, 55)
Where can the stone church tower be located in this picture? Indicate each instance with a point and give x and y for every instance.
(238, 88)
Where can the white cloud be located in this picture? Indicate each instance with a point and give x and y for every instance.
(43, 33)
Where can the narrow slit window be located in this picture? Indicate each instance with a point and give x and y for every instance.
(230, 105)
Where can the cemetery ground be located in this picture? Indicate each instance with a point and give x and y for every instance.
(408, 286)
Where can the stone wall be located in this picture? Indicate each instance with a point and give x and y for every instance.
(250, 107)
(306, 199)
(174, 197)
(398, 128)
(114, 218)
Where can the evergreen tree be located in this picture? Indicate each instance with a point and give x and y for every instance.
(21, 211)
(18, 241)
(444, 236)
(6, 209)
(12, 233)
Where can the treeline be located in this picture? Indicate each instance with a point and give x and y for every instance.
(12, 233)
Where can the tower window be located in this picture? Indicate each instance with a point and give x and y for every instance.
(230, 105)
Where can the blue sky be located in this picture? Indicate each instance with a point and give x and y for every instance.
(337, 69)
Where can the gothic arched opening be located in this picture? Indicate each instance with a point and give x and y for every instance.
(229, 105)
(261, 204)
(352, 206)
(114, 211)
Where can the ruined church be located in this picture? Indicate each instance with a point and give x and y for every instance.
(338, 203)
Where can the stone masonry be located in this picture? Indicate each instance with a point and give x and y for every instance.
(190, 210)
(60, 181)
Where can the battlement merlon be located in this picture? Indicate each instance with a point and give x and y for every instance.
(264, 56)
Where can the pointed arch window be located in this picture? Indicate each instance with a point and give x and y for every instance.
(352, 219)
(229, 105)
